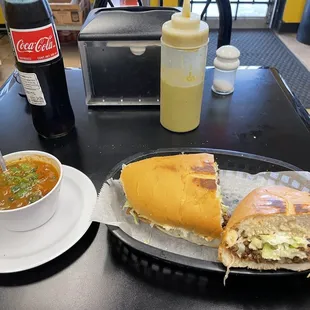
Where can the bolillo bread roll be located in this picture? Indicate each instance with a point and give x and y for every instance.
(178, 194)
(270, 229)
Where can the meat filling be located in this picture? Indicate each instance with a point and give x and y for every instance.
(256, 255)
(225, 218)
(278, 248)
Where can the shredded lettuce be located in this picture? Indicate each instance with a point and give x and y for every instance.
(284, 238)
(273, 246)
(280, 245)
(281, 251)
(131, 212)
(256, 244)
(225, 209)
(232, 238)
(241, 249)
(135, 217)
(126, 205)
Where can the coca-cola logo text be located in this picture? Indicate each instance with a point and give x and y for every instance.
(43, 44)
(35, 45)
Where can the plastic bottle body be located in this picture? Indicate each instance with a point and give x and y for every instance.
(224, 81)
(182, 83)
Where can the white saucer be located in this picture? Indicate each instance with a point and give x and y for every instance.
(24, 250)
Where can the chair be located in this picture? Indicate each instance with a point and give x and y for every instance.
(224, 8)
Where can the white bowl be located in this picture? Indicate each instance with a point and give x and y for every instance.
(39, 212)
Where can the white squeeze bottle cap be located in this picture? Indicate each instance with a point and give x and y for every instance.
(185, 30)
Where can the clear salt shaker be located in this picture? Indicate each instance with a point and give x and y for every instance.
(226, 64)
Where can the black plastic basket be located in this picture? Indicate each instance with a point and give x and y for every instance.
(160, 263)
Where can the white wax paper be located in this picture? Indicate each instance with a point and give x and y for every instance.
(234, 187)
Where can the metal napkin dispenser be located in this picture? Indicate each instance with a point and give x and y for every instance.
(120, 55)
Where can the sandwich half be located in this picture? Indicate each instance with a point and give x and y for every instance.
(177, 194)
(269, 229)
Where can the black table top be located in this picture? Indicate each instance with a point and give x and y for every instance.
(261, 117)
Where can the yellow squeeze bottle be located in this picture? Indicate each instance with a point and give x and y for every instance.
(183, 60)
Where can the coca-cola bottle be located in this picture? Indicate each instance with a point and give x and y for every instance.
(40, 65)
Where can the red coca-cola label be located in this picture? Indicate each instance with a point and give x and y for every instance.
(35, 45)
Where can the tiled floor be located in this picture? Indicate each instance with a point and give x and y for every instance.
(72, 58)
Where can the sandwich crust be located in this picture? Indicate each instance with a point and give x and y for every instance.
(177, 191)
(271, 200)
